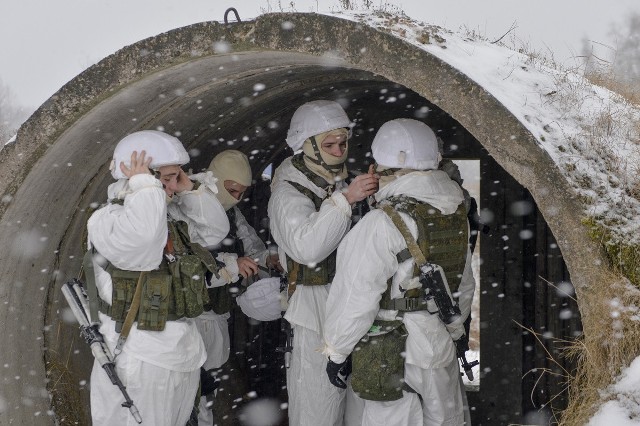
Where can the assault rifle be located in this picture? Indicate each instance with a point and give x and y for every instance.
(77, 299)
(286, 328)
(437, 290)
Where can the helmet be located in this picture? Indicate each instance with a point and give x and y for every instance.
(164, 149)
(313, 118)
(407, 144)
(261, 301)
(231, 165)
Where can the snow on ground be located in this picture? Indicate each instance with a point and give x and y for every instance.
(591, 133)
(624, 407)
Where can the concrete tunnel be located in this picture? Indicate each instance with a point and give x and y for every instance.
(218, 86)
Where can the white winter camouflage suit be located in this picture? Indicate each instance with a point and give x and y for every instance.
(160, 369)
(366, 259)
(308, 237)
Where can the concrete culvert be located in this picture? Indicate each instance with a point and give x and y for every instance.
(217, 86)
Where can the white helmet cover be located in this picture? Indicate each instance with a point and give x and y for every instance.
(406, 144)
(313, 118)
(261, 301)
(164, 149)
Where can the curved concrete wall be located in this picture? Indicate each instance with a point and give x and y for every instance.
(218, 86)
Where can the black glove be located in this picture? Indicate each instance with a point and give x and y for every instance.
(208, 381)
(335, 370)
(348, 366)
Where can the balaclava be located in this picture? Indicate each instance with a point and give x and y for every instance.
(330, 168)
(230, 165)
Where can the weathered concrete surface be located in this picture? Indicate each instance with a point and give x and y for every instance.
(180, 80)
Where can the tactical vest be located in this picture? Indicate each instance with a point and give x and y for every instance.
(323, 272)
(378, 364)
(443, 239)
(175, 290)
(221, 298)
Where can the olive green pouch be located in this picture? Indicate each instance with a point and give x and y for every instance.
(192, 280)
(124, 286)
(153, 312)
(378, 362)
(220, 299)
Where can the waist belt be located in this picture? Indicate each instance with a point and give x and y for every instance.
(105, 308)
(405, 304)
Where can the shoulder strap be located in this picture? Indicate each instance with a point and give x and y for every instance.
(179, 234)
(412, 244)
(317, 201)
(404, 304)
(298, 162)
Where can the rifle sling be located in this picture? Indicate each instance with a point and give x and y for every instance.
(132, 314)
(412, 244)
(92, 289)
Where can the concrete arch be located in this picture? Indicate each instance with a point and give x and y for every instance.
(182, 80)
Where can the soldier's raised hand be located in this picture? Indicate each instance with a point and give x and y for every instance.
(139, 164)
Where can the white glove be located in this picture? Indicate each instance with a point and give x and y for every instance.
(456, 328)
(206, 179)
(230, 270)
(284, 299)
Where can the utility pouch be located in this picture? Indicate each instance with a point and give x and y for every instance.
(153, 312)
(378, 364)
(124, 286)
(220, 299)
(189, 273)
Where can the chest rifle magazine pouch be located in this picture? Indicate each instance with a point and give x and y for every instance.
(123, 288)
(378, 363)
(189, 285)
(153, 312)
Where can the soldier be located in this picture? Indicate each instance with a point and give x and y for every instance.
(378, 310)
(242, 251)
(310, 211)
(150, 264)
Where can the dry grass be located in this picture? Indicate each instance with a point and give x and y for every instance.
(62, 384)
(610, 342)
(607, 79)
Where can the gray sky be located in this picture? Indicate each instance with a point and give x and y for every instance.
(46, 43)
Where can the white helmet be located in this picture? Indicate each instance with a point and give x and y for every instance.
(164, 149)
(262, 301)
(313, 118)
(406, 144)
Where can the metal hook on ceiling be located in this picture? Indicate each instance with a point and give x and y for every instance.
(235, 12)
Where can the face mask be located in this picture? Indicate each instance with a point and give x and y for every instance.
(328, 166)
(225, 198)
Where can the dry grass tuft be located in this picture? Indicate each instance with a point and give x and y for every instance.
(610, 342)
(604, 77)
(63, 385)
(66, 400)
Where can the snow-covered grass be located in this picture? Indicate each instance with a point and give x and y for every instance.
(623, 405)
(592, 133)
